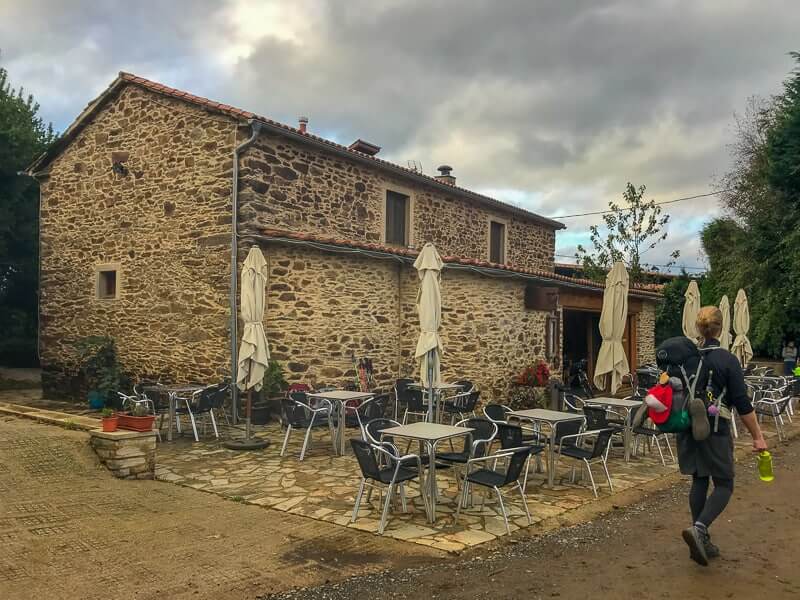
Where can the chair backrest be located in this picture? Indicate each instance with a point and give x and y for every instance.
(495, 412)
(572, 402)
(567, 428)
(516, 464)
(366, 459)
(203, 400)
(416, 400)
(294, 414)
(595, 417)
(601, 443)
(401, 389)
(466, 385)
(510, 436)
(483, 432)
(374, 428)
(373, 408)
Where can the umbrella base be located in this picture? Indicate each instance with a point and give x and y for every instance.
(246, 444)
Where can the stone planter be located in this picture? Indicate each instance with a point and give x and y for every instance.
(127, 454)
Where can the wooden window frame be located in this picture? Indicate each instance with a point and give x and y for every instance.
(504, 245)
(408, 193)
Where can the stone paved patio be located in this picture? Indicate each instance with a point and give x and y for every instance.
(323, 487)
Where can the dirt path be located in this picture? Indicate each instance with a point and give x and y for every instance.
(70, 530)
(629, 553)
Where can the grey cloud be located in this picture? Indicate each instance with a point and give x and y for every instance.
(563, 99)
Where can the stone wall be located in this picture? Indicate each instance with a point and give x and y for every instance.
(324, 306)
(285, 185)
(166, 224)
(646, 334)
(127, 454)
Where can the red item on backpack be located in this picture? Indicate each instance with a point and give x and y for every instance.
(660, 394)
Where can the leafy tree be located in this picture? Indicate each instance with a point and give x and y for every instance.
(23, 136)
(631, 229)
(758, 247)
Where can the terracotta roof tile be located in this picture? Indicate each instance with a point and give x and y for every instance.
(646, 290)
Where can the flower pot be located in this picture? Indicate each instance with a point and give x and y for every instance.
(110, 423)
(131, 423)
(97, 399)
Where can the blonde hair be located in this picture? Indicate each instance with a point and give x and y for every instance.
(709, 322)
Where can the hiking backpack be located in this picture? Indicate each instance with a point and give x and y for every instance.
(682, 361)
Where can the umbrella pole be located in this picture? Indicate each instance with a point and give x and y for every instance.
(430, 387)
(249, 406)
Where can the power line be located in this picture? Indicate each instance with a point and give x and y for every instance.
(663, 266)
(604, 212)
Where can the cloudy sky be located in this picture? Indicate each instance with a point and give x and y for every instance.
(552, 105)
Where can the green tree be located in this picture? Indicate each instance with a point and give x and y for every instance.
(23, 136)
(758, 246)
(632, 229)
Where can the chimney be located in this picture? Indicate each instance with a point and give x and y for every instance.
(303, 124)
(364, 147)
(444, 175)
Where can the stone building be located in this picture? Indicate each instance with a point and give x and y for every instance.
(150, 195)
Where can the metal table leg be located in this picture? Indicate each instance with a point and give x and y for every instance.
(627, 435)
(432, 479)
(171, 414)
(551, 460)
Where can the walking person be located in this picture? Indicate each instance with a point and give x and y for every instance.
(789, 358)
(707, 454)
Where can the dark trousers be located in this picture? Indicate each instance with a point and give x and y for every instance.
(706, 508)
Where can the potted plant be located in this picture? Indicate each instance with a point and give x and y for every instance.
(136, 419)
(99, 367)
(109, 420)
(273, 389)
(527, 382)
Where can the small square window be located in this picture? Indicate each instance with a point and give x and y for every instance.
(107, 285)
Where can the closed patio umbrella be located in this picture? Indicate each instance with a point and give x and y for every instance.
(725, 336)
(253, 350)
(612, 360)
(741, 348)
(429, 306)
(690, 309)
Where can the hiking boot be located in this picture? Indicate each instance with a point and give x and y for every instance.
(701, 428)
(697, 550)
(712, 551)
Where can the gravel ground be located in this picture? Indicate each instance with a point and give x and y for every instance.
(625, 553)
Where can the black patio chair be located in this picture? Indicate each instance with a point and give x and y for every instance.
(401, 395)
(297, 414)
(512, 437)
(461, 405)
(597, 418)
(203, 404)
(466, 385)
(397, 471)
(416, 405)
(496, 413)
(649, 432)
(496, 480)
(572, 446)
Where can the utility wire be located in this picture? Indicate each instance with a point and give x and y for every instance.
(604, 212)
(664, 266)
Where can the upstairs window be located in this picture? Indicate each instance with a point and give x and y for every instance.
(497, 242)
(397, 218)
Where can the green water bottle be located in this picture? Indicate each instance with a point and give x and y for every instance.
(765, 466)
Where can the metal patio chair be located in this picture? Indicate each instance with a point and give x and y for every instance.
(496, 480)
(297, 414)
(397, 470)
(574, 448)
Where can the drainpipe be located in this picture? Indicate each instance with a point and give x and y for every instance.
(255, 127)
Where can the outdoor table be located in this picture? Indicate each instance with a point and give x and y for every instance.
(172, 392)
(429, 434)
(627, 406)
(552, 418)
(438, 391)
(339, 398)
